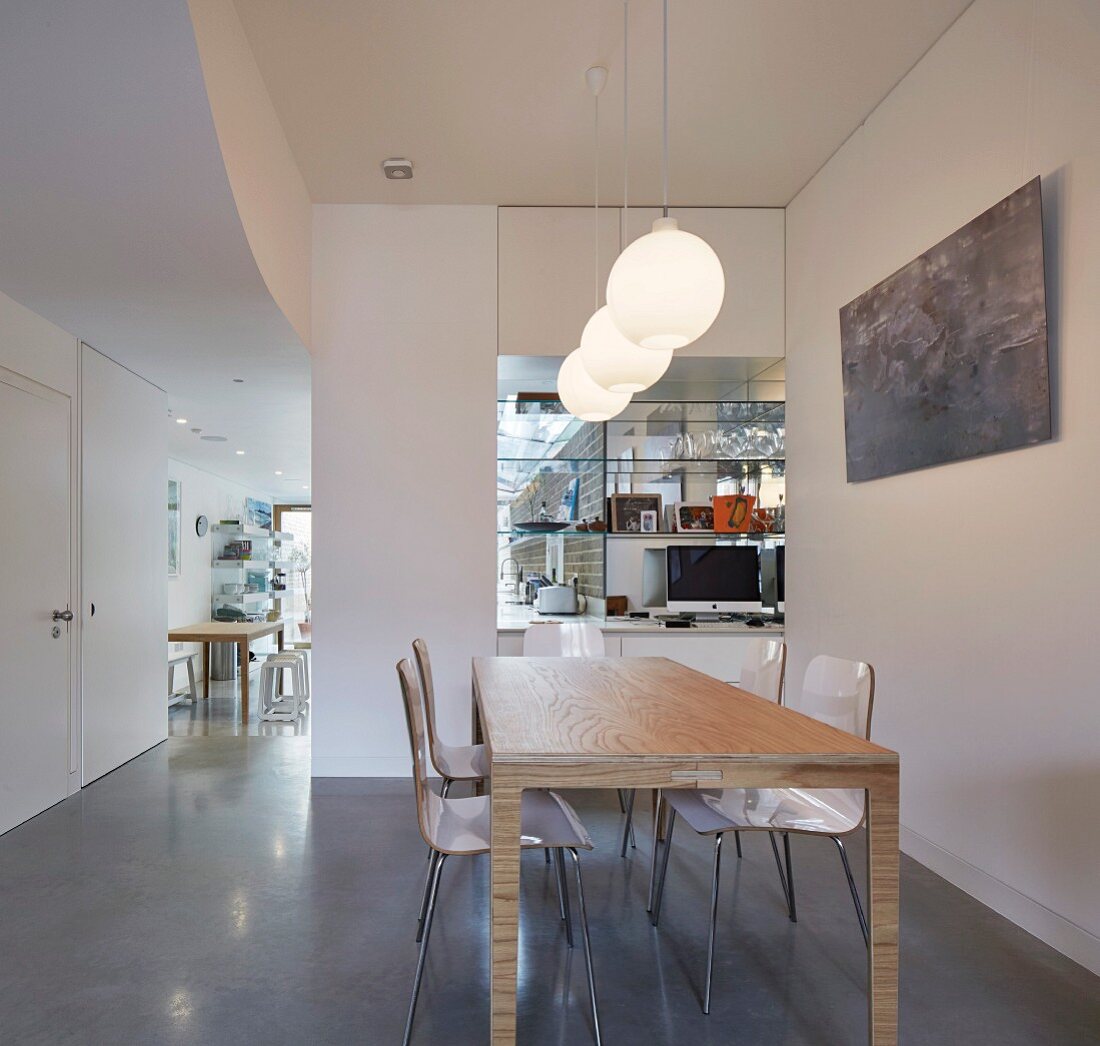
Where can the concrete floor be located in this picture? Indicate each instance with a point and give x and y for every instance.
(200, 895)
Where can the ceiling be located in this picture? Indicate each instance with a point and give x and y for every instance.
(118, 224)
(488, 97)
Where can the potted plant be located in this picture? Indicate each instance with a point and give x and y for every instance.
(300, 563)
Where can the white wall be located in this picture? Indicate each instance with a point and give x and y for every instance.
(208, 495)
(982, 630)
(404, 378)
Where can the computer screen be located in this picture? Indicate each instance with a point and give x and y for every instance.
(780, 579)
(722, 578)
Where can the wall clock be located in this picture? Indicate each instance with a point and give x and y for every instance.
(202, 525)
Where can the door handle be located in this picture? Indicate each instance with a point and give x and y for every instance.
(62, 615)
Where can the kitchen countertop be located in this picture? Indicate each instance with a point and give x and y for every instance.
(512, 618)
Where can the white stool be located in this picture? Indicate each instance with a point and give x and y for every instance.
(303, 655)
(281, 708)
(173, 697)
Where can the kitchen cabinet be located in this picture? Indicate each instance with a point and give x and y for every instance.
(749, 241)
(546, 276)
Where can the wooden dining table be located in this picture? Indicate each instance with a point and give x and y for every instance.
(648, 722)
(242, 633)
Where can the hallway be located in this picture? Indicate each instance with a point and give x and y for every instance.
(199, 895)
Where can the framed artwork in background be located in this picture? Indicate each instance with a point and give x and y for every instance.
(175, 516)
(627, 509)
(697, 519)
(733, 513)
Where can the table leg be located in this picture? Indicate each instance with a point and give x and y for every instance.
(504, 908)
(243, 645)
(882, 879)
(205, 671)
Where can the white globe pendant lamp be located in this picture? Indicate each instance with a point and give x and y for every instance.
(582, 397)
(666, 288)
(616, 363)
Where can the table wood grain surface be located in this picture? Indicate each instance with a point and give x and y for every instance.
(650, 722)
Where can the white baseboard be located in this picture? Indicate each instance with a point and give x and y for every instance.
(1071, 940)
(360, 766)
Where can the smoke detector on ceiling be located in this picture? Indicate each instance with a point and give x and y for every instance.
(397, 169)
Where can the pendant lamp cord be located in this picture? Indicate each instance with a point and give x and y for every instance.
(626, 106)
(596, 209)
(664, 138)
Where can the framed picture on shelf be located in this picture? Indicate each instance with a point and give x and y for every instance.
(257, 513)
(733, 513)
(649, 521)
(694, 518)
(626, 512)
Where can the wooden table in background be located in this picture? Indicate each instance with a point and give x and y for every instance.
(243, 633)
(647, 722)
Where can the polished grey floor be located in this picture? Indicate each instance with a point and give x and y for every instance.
(199, 894)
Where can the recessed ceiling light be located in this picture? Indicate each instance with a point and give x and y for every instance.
(181, 421)
(240, 453)
(278, 472)
(305, 486)
(215, 439)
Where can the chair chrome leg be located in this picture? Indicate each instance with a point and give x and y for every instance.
(713, 920)
(587, 947)
(546, 852)
(737, 841)
(852, 887)
(446, 789)
(433, 858)
(784, 881)
(658, 810)
(622, 801)
(790, 874)
(628, 828)
(664, 867)
(433, 893)
(563, 896)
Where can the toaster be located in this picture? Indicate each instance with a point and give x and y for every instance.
(556, 599)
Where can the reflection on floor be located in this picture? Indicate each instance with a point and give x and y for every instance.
(220, 715)
(199, 895)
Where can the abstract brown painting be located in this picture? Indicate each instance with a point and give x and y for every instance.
(947, 358)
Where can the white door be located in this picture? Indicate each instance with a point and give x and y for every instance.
(34, 582)
(124, 565)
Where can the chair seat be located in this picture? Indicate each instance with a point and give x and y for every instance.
(461, 762)
(830, 811)
(461, 826)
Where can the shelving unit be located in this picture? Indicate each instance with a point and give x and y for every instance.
(684, 450)
(256, 603)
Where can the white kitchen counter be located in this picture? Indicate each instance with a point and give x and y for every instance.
(513, 619)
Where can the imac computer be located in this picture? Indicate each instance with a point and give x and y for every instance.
(772, 571)
(714, 579)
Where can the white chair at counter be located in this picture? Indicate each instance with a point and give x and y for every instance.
(563, 639)
(835, 691)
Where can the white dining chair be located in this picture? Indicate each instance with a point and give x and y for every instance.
(462, 827)
(451, 762)
(761, 673)
(835, 691)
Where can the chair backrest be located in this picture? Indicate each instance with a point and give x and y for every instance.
(414, 720)
(763, 668)
(563, 639)
(427, 690)
(839, 692)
